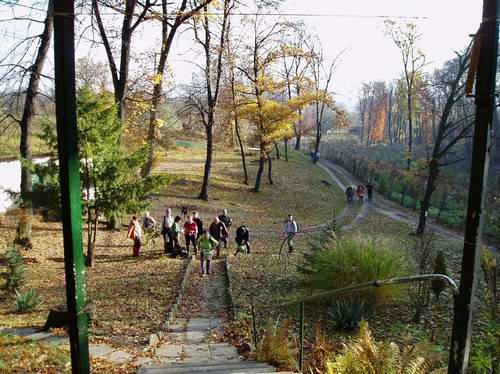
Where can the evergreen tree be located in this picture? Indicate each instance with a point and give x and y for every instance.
(111, 181)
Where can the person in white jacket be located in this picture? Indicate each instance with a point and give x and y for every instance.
(290, 229)
(166, 231)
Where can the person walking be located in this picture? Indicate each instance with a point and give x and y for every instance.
(176, 232)
(290, 230)
(218, 231)
(349, 192)
(361, 191)
(191, 233)
(135, 233)
(148, 222)
(369, 190)
(199, 224)
(206, 243)
(224, 218)
(166, 231)
(242, 240)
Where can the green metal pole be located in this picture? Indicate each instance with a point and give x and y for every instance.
(483, 127)
(69, 176)
(301, 338)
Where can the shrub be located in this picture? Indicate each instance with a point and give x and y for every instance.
(347, 313)
(353, 261)
(275, 347)
(27, 301)
(321, 351)
(485, 355)
(16, 271)
(489, 265)
(365, 355)
(438, 286)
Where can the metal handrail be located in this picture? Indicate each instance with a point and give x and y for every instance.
(360, 287)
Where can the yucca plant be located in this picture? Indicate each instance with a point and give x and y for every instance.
(347, 313)
(27, 301)
(367, 356)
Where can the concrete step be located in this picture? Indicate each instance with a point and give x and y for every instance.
(231, 367)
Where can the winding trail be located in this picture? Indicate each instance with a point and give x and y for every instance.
(384, 206)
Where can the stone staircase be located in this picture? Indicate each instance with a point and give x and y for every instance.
(190, 350)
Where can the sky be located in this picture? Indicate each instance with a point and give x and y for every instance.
(357, 25)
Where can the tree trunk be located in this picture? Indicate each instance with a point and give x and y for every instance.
(286, 149)
(258, 178)
(208, 161)
(23, 231)
(297, 142)
(277, 151)
(242, 151)
(430, 188)
(269, 171)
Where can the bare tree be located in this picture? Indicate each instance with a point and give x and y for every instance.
(169, 29)
(453, 126)
(34, 71)
(214, 53)
(134, 12)
(406, 37)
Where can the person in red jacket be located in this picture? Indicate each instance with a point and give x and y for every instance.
(190, 233)
(361, 191)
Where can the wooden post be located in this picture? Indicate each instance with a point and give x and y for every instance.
(485, 104)
(69, 176)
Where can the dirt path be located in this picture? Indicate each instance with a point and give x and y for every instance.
(387, 207)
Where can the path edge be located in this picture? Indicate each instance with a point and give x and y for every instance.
(171, 314)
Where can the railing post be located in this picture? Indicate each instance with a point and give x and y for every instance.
(301, 337)
(69, 176)
(254, 326)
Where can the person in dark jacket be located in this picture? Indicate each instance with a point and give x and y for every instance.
(224, 218)
(242, 239)
(349, 192)
(369, 191)
(199, 223)
(218, 231)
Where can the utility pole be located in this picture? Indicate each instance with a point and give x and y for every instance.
(69, 177)
(487, 37)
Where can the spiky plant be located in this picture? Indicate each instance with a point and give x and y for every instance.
(367, 356)
(346, 314)
(27, 301)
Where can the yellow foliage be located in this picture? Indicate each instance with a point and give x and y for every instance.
(378, 127)
(275, 348)
(367, 356)
(157, 78)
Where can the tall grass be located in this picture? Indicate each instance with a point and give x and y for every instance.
(351, 261)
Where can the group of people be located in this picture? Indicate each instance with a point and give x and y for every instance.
(205, 239)
(360, 192)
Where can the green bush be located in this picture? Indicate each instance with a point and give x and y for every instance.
(16, 271)
(352, 261)
(485, 355)
(438, 286)
(346, 314)
(27, 301)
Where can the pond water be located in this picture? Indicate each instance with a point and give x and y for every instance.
(10, 179)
